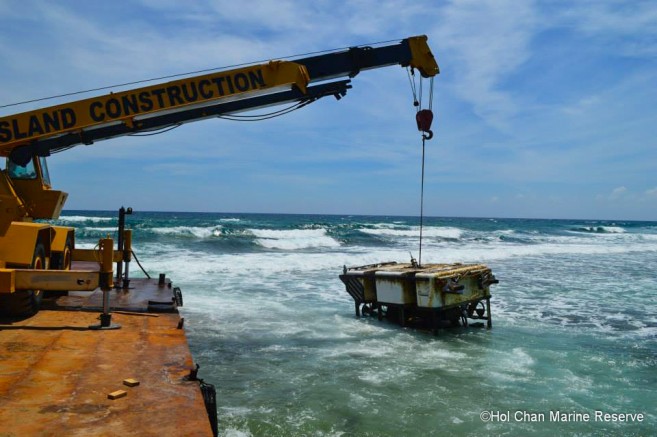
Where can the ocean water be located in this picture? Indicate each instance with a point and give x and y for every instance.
(573, 347)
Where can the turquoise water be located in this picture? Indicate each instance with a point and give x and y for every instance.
(574, 333)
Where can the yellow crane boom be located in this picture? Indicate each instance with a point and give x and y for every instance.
(30, 252)
(129, 107)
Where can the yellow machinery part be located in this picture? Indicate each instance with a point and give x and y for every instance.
(129, 106)
(28, 197)
(18, 243)
(7, 281)
(423, 59)
(61, 280)
(15, 301)
(11, 206)
(62, 247)
(12, 280)
(42, 202)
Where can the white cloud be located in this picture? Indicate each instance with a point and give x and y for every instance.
(488, 40)
(583, 106)
(617, 193)
(629, 27)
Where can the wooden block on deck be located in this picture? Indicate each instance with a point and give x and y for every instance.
(131, 382)
(117, 394)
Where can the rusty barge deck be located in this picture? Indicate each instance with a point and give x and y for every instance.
(57, 374)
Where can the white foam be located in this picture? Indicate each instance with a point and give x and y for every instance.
(477, 252)
(514, 366)
(613, 229)
(392, 225)
(359, 402)
(315, 273)
(293, 239)
(577, 383)
(82, 218)
(414, 231)
(232, 432)
(102, 229)
(86, 245)
(195, 231)
(601, 229)
(235, 411)
(440, 355)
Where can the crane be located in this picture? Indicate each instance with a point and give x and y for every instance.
(37, 256)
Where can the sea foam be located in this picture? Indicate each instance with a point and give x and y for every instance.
(294, 239)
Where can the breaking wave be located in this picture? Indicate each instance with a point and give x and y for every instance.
(294, 239)
(190, 231)
(600, 229)
(414, 231)
(83, 219)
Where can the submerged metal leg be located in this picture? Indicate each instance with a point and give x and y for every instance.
(434, 322)
(490, 318)
(357, 304)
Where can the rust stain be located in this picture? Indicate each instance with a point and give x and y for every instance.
(55, 375)
(75, 409)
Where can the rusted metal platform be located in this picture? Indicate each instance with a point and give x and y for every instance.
(56, 373)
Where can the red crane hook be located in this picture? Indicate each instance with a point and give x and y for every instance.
(424, 119)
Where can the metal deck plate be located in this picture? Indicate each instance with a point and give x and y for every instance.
(56, 374)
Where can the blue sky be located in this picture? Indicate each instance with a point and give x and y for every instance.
(542, 109)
